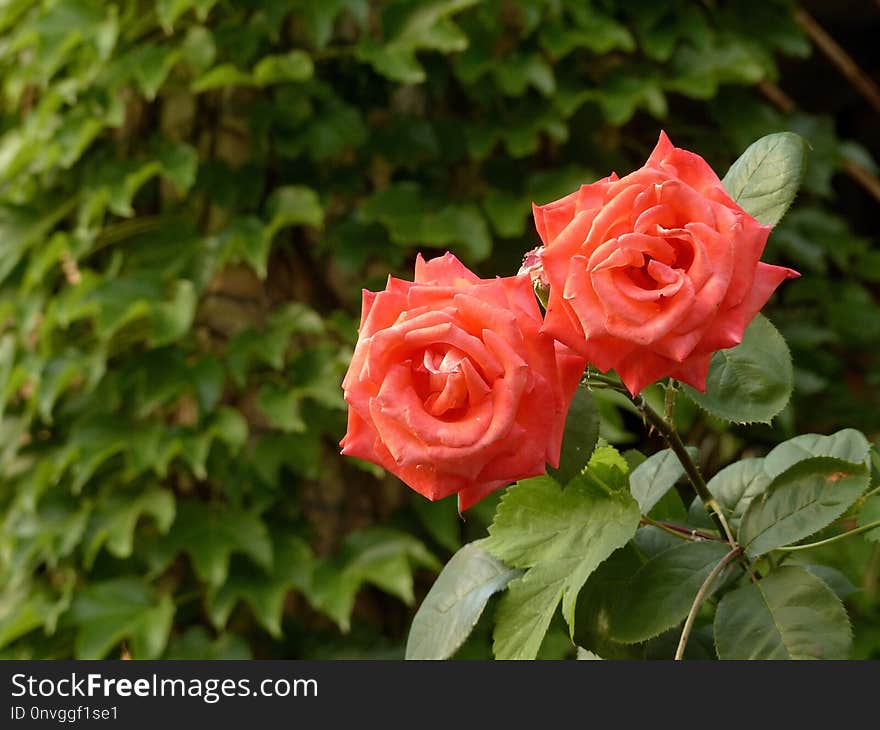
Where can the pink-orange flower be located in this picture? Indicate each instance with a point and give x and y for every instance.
(453, 387)
(651, 273)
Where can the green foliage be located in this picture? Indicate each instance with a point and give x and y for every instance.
(660, 593)
(751, 382)
(579, 438)
(379, 556)
(454, 604)
(654, 477)
(766, 177)
(560, 536)
(801, 501)
(790, 614)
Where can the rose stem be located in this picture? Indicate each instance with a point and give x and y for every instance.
(700, 597)
(685, 533)
(673, 440)
(829, 540)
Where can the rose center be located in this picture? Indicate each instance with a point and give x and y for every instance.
(655, 272)
(683, 253)
(448, 382)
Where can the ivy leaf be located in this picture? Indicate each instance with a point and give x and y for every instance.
(281, 406)
(455, 602)
(660, 594)
(124, 608)
(751, 382)
(293, 565)
(766, 177)
(381, 556)
(579, 438)
(180, 163)
(293, 205)
(195, 643)
(244, 239)
(560, 536)
(210, 535)
(426, 26)
(412, 219)
(319, 17)
(790, 614)
(801, 501)
(655, 476)
(115, 519)
(219, 77)
(293, 66)
(170, 10)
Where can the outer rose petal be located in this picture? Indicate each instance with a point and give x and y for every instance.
(444, 269)
(651, 273)
(453, 386)
(550, 219)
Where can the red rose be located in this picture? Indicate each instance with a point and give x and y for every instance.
(453, 387)
(653, 272)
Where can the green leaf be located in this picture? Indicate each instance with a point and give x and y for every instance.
(220, 77)
(413, 219)
(561, 536)
(198, 48)
(170, 10)
(281, 406)
(847, 445)
(660, 594)
(580, 436)
(655, 476)
(293, 66)
(766, 178)
(293, 566)
(293, 205)
(869, 513)
(244, 239)
(195, 643)
(833, 578)
(735, 486)
(801, 501)
(455, 602)
(381, 556)
(210, 535)
(750, 382)
(790, 614)
(124, 608)
(115, 519)
(180, 163)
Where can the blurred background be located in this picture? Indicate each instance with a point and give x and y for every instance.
(193, 194)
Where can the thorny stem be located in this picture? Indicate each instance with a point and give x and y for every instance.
(701, 596)
(829, 540)
(673, 440)
(685, 533)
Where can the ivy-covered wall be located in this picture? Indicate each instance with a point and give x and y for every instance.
(193, 194)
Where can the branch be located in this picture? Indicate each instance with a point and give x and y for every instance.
(829, 540)
(864, 84)
(673, 440)
(700, 597)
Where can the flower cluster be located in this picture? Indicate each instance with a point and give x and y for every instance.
(459, 386)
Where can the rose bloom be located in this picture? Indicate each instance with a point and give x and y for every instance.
(651, 273)
(453, 387)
